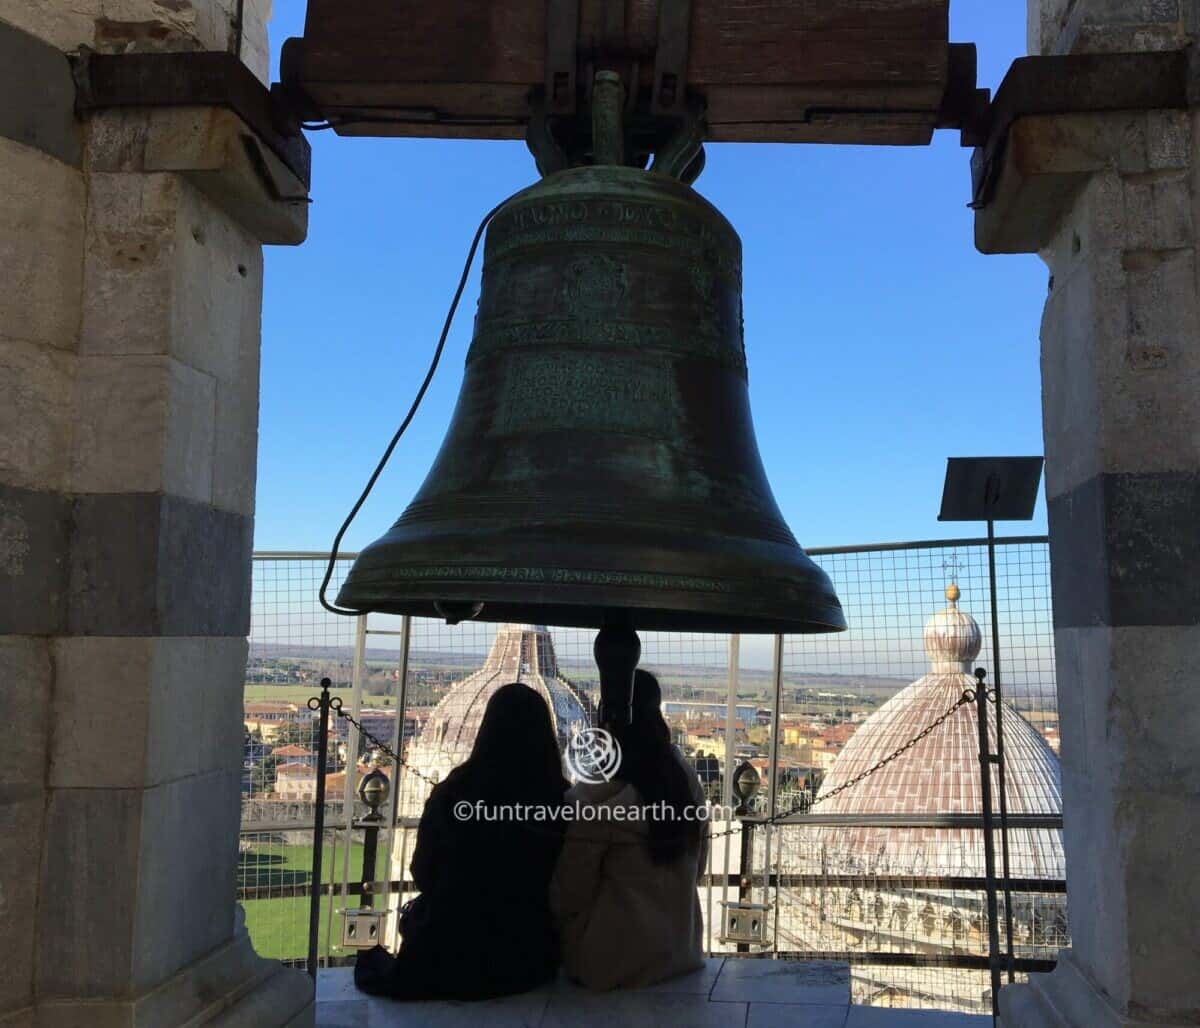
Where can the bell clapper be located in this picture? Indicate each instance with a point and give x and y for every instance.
(455, 611)
(617, 651)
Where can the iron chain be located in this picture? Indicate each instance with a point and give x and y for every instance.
(968, 696)
(400, 762)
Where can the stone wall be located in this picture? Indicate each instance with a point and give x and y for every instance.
(120, 26)
(129, 345)
(1110, 26)
(1121, 403)
(1121, 374)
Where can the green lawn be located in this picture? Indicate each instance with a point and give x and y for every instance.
(300, 694)
(278, 925)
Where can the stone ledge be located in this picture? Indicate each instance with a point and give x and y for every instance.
(1065, 998)
(215, 150)
(1048, 160)
(757, 993)
(231, 987)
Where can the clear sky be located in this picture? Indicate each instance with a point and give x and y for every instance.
(879, 341)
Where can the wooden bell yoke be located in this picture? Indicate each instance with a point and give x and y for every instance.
(838, 71)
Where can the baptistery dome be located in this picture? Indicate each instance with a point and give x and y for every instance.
(913, 888)
(940, 773)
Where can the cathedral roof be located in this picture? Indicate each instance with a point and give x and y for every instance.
(520, 653)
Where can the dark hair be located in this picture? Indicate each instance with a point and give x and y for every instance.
(515, 757)
(649, 763)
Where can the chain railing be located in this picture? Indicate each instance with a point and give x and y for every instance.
(722, 713)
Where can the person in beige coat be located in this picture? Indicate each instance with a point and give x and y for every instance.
(624, 889)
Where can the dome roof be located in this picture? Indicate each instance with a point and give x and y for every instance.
(520, 653)
(940, 773)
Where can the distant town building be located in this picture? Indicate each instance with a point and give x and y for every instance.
(335, 783)
(381, 723)
(293, 754)
(690, 710)
(295, 781)
(266, 716)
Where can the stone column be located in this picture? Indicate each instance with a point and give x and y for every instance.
(129, 338)
(1111, 203)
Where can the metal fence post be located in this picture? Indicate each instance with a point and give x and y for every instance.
(773, 781)
(746, 871)
(735, 650)
(322, 704)
(986, 760)
(352, 744)
(1004, 854)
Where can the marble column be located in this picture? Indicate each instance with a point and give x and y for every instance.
(129, 337)
(1110, 201)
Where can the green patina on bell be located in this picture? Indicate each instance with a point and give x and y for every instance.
(601, 456)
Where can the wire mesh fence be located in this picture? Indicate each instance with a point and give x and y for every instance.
(904, 904)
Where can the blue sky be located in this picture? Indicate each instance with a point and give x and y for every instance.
(879, 341)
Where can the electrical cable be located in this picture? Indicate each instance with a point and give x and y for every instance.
(433, 366)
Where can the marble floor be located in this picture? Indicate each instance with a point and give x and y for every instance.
(726, 993)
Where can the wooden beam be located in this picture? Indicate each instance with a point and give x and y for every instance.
(770, 70)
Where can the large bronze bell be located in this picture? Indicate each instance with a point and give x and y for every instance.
(601, 458)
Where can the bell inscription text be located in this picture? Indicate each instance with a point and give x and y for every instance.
(564, 390)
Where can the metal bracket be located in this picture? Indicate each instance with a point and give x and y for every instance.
(671, 57)
(562, 41)
(745, 923)
(363, 928)
(562, 130)
(682, 156)
(198, 79)
(1077, 84)
(547, 154)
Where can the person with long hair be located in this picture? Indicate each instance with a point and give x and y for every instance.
(482, 926)
(624, 891)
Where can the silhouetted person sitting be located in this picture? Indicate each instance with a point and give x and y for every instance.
(481, 926)
(624, 891)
